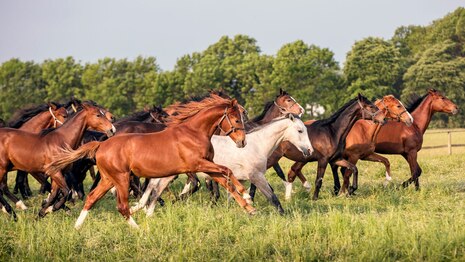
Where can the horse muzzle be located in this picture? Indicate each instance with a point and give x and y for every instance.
(111, 132)
(241, 143)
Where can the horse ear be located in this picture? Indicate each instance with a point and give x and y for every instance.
(52, 105)
(432, 90)
(291, 116)
(359, 97)
(234, 102)
(281, 92)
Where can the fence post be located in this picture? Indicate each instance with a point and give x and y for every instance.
(449, 142)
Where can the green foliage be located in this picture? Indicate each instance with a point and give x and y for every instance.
(20, 84)
(62, 79)
(372, 68)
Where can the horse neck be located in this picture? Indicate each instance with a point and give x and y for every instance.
(72, 130)
(206, 122)
(344, 122)
(274, 134)
(37, 123)
(422, 114)
(272, 113)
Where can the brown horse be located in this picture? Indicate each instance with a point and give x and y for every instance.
(33, 119)
(360, 142)
(21, 150)
(328, 138)
(397, 138)
(184, 146)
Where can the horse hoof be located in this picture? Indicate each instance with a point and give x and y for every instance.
(20, 205)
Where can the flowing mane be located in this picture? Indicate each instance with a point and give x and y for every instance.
(23, 115)
(334, 116)
(192, 108)
(414, 101)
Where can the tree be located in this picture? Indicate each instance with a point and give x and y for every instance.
(20, 84)
(373, 67)
(308, 72)
(62, 79)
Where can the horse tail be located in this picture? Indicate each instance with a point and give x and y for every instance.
(68, 156)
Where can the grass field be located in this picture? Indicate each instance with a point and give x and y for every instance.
(378, 224)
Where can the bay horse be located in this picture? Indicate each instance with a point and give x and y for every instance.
(399, 139)
(33, 119)
(361, 140)
(248, 163)
(21, 150)
(328, 138)
(184, 146)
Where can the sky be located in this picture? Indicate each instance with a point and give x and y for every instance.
(168, 29)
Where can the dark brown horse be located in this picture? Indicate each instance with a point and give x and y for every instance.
(184, 146)
(399, 139)
(328, 138)
(21, 150)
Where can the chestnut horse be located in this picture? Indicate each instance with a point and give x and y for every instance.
(21, 150)
(33, 119)
(328, 137)
(360, 142)
(399, 139)
(184, 146)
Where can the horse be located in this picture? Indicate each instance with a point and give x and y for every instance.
(398, 139)
(283, 104)
(360, 142)
(2, 123)
(328, 138)
(33, 119)
(31, 152)
(248, 163)
(184, 146)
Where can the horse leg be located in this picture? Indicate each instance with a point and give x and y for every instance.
(121, 182)
(378, 158)
(96, 181)
(415, 169)
(337, 183)
(322, 163)
(58, 185)
(6, 207)
(6, 191)
(350, 168)
(188, 190)
(158, 190)
(259, 180)
(296, 170)
(92, 172)
(100, 190)
(152, 183)
(134, 185)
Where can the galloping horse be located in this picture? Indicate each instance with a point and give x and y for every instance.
(21, 150)
(328, 138)
(248, 163)
(397, 138)
(361, 140)
(184, 146)
(33, 119)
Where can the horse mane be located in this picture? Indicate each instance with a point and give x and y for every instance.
(414, 101)
(136, 116)
(267, 107)
(23, 115)
(260, 127)
(334, 116)
(192, 108)
(44, 132)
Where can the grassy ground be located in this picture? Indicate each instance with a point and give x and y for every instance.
(379, 223)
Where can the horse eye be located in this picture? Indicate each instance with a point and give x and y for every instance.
(398, 106)
(237, 121)
(301, 131)
(98, 115)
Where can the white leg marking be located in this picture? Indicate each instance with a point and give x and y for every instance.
(49, 210)
(113, 191)
(132, 223)
(4, 210)
(21, 205)
(248, 198)
(288, 191)
(80, 219)
(388, 177)
(186, 188)
(307, 186)
(75, 194)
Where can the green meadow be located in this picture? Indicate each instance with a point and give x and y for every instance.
(380, 223)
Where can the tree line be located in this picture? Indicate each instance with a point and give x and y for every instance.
(415, 59)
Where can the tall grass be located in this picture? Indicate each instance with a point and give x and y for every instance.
(380, 223)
